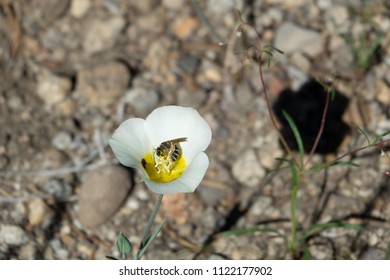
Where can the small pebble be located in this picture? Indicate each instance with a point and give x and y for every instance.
(79, 8)
(103, 191)
(247, 169)
(62, 140)
(143, 100)
(52, 89)
(103, 84)
(39, 213)
(28, 252)
(173, 4)
(292, 38)
(58, 187)
(13, 235)
(101, 34)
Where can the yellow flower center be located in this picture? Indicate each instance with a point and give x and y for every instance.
(162, 169)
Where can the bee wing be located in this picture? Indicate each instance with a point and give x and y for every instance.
(174, 141)
(178, 140)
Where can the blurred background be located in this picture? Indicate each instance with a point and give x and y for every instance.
(72, 70)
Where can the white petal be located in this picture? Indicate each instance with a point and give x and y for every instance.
(188, 182)
(171, 122)
(130, 142)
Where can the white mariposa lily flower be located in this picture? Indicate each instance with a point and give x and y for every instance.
(168, 147)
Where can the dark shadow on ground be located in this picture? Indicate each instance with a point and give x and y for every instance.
(306, 107)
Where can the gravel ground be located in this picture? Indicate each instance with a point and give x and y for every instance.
(72, 70)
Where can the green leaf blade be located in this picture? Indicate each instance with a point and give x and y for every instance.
(250, 230)
(149, 241)
(297, 135)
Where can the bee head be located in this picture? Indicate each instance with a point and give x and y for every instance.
(160, 151)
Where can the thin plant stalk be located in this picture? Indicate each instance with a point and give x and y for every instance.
(272, 117)
(378, 145)
(151, 220)
(321, 130)
(293, 207)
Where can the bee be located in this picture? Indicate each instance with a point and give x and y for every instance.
(170, 149)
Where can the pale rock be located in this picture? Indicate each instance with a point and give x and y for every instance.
(274, 2)
(341, 54)
(52, 89)
(18, 214)
(13, 235)
(59, 251)
(268, 152)
(86, 250)
(371, 88)
(103, 84)
(212, 121)
(211, 196)
(101, 35)
(220, 6)
(247, 169)
(320, 251)
(210, 218)
(373, 239)
(65, 230)
(147, 24)
(50, 10)
(260, 206)
(53, 159)
(62, 140)
(15, 102)
(142, 195)
(67, 107)
(175, 206)
(189, 98)
(337, 18)
(48, 253)
(145, 6)
(382, 126)
(297, 77)
(102, 192)
(114, 7)
(284, 2)
(382, 21)
(292, 3)
(173, 4)
(373, 254)
(39, 213)
(28, 252)
(132, 204)
(143, 100)
(292, 38)
(324, 4)
(79, 8)
(211, 72)
(357, 29)
(275, 14)
(383, 93)
(299, 60)
(184, 26)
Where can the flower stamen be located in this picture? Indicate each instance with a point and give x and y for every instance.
(166, 162)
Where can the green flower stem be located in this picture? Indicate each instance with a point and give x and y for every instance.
(293, 206)
(270, 113)
(151, 221)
